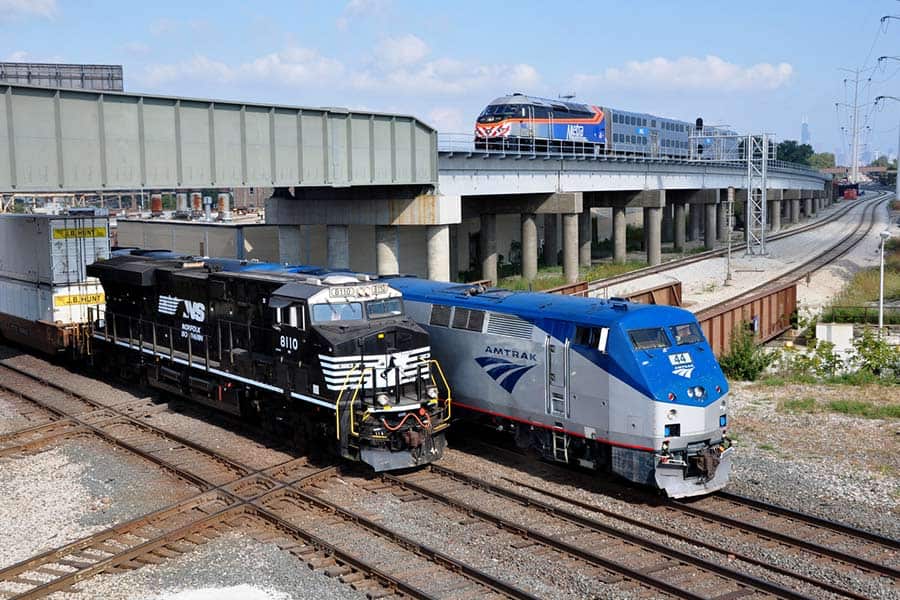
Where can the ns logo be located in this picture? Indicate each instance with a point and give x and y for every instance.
(195, 311)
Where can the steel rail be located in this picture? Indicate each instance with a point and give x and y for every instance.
(253, 504)
(770, 566)
(598, 284)
(741, 579)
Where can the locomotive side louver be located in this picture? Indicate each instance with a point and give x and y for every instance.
(509, 326)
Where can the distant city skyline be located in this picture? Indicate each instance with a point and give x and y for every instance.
(804, 131)
(430, 59)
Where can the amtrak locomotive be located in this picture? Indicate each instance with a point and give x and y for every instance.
(531, 124)
(604, 384)
(328, 359)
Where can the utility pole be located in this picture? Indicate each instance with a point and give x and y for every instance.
(854, 110)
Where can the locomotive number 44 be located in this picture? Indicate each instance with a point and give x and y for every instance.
(288, 343)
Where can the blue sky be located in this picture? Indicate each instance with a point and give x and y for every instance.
(755, 66)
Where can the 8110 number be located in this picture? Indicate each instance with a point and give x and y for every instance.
(288, 343)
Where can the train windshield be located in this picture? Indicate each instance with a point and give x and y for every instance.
(389, 307)
(497, 112)
(342, 311)
(648, 339)
(688, 333)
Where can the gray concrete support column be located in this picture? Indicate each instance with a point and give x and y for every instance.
(438, 237)
(570, 247)
(680, 226)
(721, 221)
(488, 239)
(695, 222)
(386, 262)
(807, 207)
(795, 210)
(338, 246)
(709, 234)
(584, 238)
(551, 239)
(776, 215)
(529, 247)
(618, 234)
(644, 219)
(653, 226)
(454, 252)
(667, 222)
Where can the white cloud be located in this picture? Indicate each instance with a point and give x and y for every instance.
(402, 50)
(400, 68)
(10, 9)
(136, 48)
(360, 8)
(290, 66)
(447, 118)
(690, 73)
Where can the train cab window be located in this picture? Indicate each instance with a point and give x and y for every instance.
(389, 307)
(338, 311)
(440, 315)
(648, 339)
(688, 333)
(592, 337)
(471, 320)
(541, 112)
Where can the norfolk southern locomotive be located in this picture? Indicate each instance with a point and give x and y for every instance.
(604, 384)
(531, 124)
(319, 356)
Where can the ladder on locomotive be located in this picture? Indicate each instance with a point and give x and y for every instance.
(560, 445)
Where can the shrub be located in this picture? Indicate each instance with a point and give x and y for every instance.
(872, 354)
(745, 360)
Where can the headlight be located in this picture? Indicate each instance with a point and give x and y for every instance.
(699, 392)
(382, 399)
(432, 392)
(672, 414)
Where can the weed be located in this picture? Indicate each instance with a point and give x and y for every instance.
(768, 447)
(869, 410)
(799, 405)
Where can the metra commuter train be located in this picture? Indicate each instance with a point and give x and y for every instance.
(528, 123)
(604, 384)
(325, 358)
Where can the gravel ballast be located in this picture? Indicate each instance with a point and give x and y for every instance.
(231, 567)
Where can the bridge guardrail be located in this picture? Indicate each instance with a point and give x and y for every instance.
(464, 143)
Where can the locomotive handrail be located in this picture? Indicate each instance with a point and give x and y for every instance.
(337, 404)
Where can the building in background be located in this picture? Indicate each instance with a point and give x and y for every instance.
(86, 77)
(804, 131)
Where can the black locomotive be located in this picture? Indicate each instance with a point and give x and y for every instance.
(329, 359)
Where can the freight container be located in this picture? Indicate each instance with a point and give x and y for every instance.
(52, 303)
(51, 249)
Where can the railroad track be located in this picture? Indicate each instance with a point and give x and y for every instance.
(830, 550)
(272, 504)
(846, 243)
(584, 546)
(600, 284)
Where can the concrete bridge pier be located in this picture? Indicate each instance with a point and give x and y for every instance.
(709, 234)
(438, 244)
(584, 237)
(386, 250)
(668, 222)
(551, 239)
(488, 240)
(653, 226)
(453, 233)
(774, 208)
(792, 197)
(570, 246)
(696, 215)
(680, 224)
(529, 246)
(807, 204)
(619, 230)
(338, 246)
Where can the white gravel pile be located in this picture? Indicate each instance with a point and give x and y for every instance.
(42, 504)
(231, 567)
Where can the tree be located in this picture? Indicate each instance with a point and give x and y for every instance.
(791, 151)
(822, 160)
(881, 161)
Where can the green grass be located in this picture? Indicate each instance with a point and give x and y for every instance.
(870, 410)
(799, 405)
(768, 447)
(551, 277)
(863, 289)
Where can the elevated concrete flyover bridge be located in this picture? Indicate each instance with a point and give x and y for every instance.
(680, 199)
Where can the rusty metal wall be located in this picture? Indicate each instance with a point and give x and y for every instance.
(770, 310)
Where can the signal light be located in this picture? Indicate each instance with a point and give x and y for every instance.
(723, 420)
(672, 396)
(380, 336)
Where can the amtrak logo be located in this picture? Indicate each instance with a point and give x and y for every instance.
(682, 364)
(195, 311)
(504, 372)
